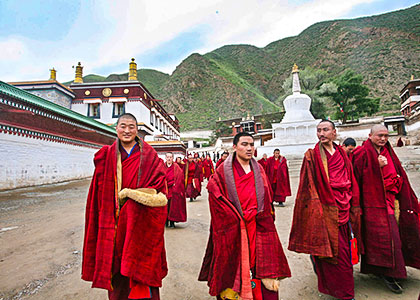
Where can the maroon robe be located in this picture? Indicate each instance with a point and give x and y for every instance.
(278, 175)
(337, 279)
(219, 162)
(192, 173)
(109, 227)
(177, 205)
(208, 168)
(378, 222)
(199, 164)
(263, 163)
(316, 213)
(226, 263)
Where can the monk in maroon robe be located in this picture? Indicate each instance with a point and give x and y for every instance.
(349, 144)
(278, 175)
(263, 162)
(177, 205)
(123, 248)
(222, 159)
(390, 211)
(243, 243)
(208, 167)
(327, 214)
(192, 179)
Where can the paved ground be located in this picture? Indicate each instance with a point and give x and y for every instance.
(41, 233)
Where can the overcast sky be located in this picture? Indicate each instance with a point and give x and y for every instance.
(104, 35)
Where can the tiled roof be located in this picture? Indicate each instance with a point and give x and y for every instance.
(22, 95)
(41, 82)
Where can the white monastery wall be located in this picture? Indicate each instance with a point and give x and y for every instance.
(106, 113)
(80, 108)
(28, 161)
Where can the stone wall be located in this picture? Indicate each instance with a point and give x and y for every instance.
(53, 96)
(27, 161)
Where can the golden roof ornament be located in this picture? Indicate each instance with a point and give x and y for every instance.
(412, 77)
(132, 72)
(79, 74)
(295, 68)
(53, 74)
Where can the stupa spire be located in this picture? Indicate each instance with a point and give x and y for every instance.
(295, 75)
(132, 72)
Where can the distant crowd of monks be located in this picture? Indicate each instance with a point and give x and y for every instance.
(351, 202)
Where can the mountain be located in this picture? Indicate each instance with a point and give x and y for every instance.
(235, 79)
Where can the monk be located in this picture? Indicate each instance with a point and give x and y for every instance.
(192, 179)
(208, 167)
(243, 244)
(348, 145)
(278, 176)
(327, 214)
(390, 211)
(123, 248)
(263, 162)
(222, 159)
(199, 162)
(177, 206)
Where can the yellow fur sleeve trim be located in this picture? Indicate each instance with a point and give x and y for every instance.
(148, 197)
(229, 294)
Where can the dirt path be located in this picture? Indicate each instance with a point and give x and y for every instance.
(41, 233)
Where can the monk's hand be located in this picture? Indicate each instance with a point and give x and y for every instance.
(382, 161)
(271, 284)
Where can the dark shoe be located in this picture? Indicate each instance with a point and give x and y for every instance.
(172, 224)
(191, 199)
(392, 285)
(281, 204)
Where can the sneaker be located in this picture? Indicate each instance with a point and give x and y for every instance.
(392, 285)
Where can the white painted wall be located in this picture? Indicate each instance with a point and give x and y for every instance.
(28, 161)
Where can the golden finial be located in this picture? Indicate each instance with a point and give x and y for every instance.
(53, 74)
(295, 68)
(412, 77)
(79, 74)
(132, 72)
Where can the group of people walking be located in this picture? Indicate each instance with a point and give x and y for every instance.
(346, 206)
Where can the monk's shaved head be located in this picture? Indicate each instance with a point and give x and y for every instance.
(379, 136)
(377, 127)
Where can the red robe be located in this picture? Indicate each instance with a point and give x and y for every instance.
(201, 168)
(219, 162)
(278, 175)
(192, 174)
(177, 205)
(376, 210)
(226, 263)
(116, 238)
(208, 168)
(263, 163)
(315, 227)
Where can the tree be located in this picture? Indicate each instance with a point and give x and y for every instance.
(219, 129)
(311, 81)
(350, 95)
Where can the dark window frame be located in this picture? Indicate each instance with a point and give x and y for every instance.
(89, 110)
(114, 115)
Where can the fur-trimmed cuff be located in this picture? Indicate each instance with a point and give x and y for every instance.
(148, 197)
(271, 284)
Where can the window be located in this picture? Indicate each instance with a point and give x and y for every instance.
(151, 119)
(118, 109)
(248, 127)
(94, 110)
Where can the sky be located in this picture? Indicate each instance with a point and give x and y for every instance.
(104, 35)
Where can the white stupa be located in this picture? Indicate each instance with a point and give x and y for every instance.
(297, 130)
